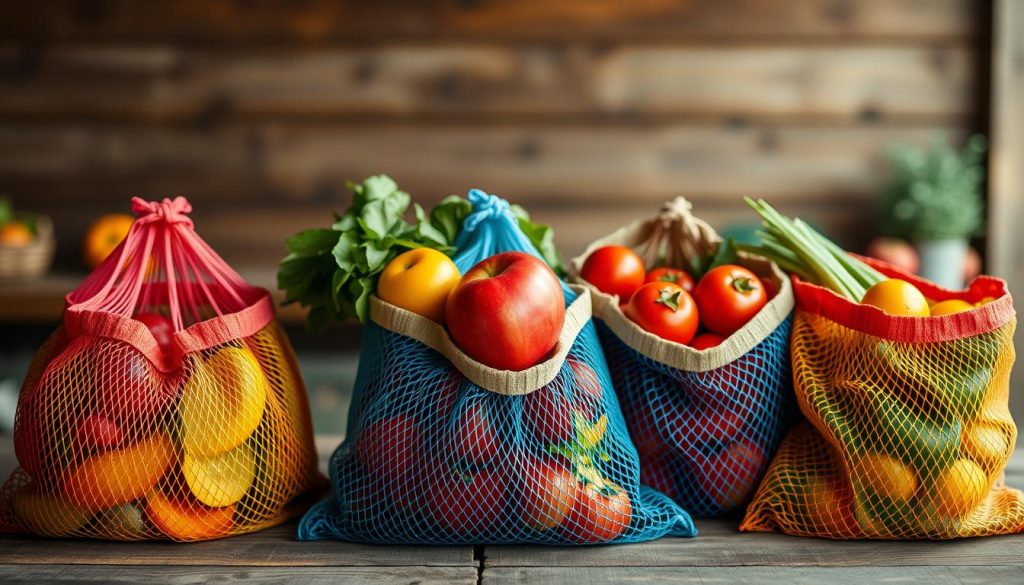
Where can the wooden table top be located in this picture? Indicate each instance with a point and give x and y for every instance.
(719, 554)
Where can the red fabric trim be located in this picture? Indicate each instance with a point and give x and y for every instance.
(873, 321)
(197, 337)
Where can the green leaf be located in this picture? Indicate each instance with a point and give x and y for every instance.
(543, 238)
(312, 242)
(448, 215)
(345, 223)
(724, 254)
(360, 291)
(345, 251)
(376, 255)
(425, 231)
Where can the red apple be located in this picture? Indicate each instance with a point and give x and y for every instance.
(507, 311)
(161, 328)
(129, 389)
(97, 432)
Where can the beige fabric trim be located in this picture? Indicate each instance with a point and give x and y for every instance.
(690, 236)
(505, 382)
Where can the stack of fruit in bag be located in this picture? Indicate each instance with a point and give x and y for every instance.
(697, 340)
(483, 410)
(905, 388)
(168, 405)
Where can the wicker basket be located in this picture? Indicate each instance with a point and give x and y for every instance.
(32, 260)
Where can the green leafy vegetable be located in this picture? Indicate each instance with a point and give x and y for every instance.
(798, 248)
(543, 238)
(334, 270)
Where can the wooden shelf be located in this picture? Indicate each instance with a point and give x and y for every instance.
(42, 301)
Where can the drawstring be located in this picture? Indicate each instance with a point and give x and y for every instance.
(171, 211)
(162, 252)
(485, 207)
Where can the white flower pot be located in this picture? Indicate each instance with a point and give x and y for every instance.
(942, 261)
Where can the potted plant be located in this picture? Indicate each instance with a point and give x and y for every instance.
(934, 200)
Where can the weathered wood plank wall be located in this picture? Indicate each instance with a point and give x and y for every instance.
(588, 113)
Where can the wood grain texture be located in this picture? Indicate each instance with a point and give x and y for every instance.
(274, 547)
(326, 21)
(62, 574)
(752, 575)
(719, 544)
(289, 164)
(560, 81)
(1006, 162)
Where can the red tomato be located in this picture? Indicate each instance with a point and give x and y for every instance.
(615, 270)
(706, 341)
(547, 412)
(664, 309)
(474, 437)
(466, 502)
(727, 297)
(730, 475)
(598, 515)
(673, 275)
(549, 490)
(696, 430)
(161, 328)
(390, 449)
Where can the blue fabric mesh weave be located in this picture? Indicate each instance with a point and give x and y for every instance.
(431, 458)
(705, 438)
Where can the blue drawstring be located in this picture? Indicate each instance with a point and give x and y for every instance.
(492, 228)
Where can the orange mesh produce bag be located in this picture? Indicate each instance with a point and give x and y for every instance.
(167, 406)
(909, 430)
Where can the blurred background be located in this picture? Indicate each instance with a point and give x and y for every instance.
(588, 113)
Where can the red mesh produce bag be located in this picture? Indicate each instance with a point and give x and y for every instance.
(168, 405)
(909, 431)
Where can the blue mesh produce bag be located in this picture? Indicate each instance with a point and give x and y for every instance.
(705, 423)
(444, 450)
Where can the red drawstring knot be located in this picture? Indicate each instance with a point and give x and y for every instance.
(169, 210)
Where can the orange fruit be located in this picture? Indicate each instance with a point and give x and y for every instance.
(118, 477)
(185, 520)
(825, 508)
(886, 476)
(223, 402)
(986, 444)
(897, 297)
(960, 488)
(419, 280)
(104, 235)
(220, 480)
(949, 307)
(15, 233)
(47, 515)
